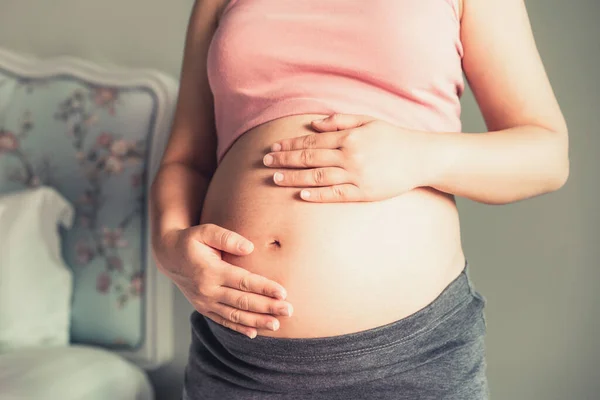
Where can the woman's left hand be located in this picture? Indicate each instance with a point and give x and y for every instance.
(354, 158)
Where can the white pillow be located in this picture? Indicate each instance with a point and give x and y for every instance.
(35, 283)
(77, 372)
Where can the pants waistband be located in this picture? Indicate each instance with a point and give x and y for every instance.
(454, 296)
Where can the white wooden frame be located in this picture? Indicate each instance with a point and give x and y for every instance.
(158, 345)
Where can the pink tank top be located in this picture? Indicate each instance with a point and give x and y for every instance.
(395, 60)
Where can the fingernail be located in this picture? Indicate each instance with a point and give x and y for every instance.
(305, 194)
(319, 120)
(252, 335)
(273, 325)
(281, 295)
(278, 176)
(276, 147)
(284, 310)
(268, 159)
(246, 246)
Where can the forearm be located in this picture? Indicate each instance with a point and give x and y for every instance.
(500, 167)
(176, 198)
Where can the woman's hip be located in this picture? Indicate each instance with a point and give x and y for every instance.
(437, 352)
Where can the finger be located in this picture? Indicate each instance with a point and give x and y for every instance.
(242, 279)
(253, 302)
(223, 239)
(305, 158)
(248, 331)
(329, 140)
(312, 177)
(331, 194)
(235, 315)
(338, 122)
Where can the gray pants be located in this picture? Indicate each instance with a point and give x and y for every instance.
(435, 353)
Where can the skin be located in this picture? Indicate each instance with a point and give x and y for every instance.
(184, 251)
(523, 154)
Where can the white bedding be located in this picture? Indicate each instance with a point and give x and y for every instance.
(71, 373)
(35, 282)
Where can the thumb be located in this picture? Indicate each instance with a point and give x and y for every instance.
(223, 239)
(339, 122)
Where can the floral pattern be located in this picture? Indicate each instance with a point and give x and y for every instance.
(91, 142)
(106, 155)
(10, 144)
(100, 155)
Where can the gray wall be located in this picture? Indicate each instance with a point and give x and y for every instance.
(535, 261)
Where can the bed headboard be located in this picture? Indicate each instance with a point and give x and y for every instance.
(96, 134)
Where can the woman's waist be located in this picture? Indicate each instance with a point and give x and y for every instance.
(338, 288)
(363, 264)
(284, 227)
(405, 228)
(454, 301)
(346, 259)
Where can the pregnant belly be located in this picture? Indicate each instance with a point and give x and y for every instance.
(346, 267)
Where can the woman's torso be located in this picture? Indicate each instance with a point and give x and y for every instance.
(346, 266)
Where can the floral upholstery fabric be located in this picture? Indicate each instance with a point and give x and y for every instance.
(91, 144)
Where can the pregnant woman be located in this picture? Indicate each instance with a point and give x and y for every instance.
(358, 289)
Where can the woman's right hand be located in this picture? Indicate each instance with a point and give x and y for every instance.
(227, 294)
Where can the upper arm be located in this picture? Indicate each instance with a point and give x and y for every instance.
(503, 66)
(193, 139)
